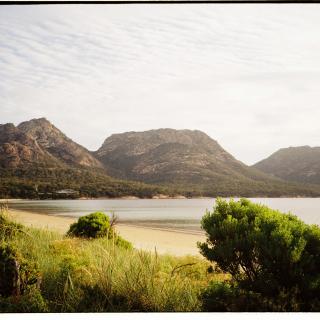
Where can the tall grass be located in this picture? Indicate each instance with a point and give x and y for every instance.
(80, 275)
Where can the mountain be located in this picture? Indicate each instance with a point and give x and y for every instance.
(38, 160)
(18, 149)
(301, 164)
(58, 144)
(188, 160)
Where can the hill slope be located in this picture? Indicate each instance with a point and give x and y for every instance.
(189, 160)
(301, 164)
(18, 149)
(38, 160)
(57, 143)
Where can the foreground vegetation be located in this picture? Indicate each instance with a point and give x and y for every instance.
(258, 259)
(273, 258)
(63, 274)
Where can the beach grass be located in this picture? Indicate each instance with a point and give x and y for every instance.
(96, 275)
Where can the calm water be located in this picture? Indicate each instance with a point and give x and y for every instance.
(174, 213)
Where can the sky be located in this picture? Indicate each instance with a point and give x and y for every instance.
(248, 75)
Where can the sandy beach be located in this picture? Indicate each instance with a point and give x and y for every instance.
(164, 241)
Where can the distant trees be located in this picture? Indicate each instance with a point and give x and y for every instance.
(44, 183)
(273, 259)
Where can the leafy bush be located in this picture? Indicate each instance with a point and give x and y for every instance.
(274, 255)
(94, 225)
(216, 297)
(229, 297)
(97, 225)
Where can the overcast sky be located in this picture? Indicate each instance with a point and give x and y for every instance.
(247, 75)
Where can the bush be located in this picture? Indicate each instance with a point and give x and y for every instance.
(30, 301)
(94, 225)
(19, 282)
(97, 225)
(216, 297)
(267, 253)
(16, 273)
(123, 243)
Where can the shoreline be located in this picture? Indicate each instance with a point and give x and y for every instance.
(164, 241)
(116, 198)
(158, 198)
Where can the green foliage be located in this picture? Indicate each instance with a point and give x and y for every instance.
(99, 275)
(229, 297)
(38, 182)
(123, 243)
(94, 225)
(8, 229)
(30, 301)
(97, 225)
(16, 273)
(266, 252)
(216, 297)
(9, 277)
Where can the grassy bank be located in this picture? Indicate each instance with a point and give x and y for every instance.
(79, 275)
(269, 261)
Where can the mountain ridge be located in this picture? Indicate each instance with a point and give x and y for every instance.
(298, 164)
(183, 158)
(37, 158)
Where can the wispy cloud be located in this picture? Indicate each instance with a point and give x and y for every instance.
(248, 75)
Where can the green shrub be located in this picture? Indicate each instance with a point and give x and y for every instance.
(16, 273)
(123, 243)
(266, 252)
(19, 282)
(94, 225)
(97, 225)
(30, 301)
(9, 271)
(216, 297)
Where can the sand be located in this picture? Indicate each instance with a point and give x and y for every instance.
(164, 241)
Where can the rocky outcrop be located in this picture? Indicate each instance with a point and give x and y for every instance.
(19, 149)
(56, 143)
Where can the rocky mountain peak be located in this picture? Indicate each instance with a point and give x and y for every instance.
(165, 154)
(57, 143)
(137, 143)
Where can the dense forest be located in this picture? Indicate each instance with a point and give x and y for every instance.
(42, 183)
